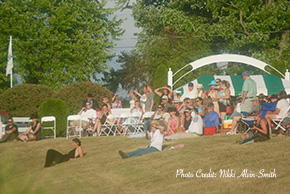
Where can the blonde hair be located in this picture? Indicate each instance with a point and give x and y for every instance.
(226, 83)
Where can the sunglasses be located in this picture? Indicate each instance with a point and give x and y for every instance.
(186, 112)
(10, 121)
(88, 104)
(197, 101)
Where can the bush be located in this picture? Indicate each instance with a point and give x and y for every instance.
(54, 107)
(74, 95)
(24, 99)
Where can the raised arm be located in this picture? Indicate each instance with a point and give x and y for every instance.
(114, 97)
(157, 91)
(141, 96)
(80, 112)
(170, 92)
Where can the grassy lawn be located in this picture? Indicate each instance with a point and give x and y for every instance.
(103, 171)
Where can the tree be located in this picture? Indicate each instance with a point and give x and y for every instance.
(58, 42)
(111, 80)
(134, 73)
(253, 28)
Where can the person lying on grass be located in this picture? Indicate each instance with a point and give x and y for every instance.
(260, 130)
(155, 145)
(54, 157)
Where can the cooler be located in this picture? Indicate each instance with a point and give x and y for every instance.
(228, 124)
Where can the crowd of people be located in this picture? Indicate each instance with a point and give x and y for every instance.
(194, 113)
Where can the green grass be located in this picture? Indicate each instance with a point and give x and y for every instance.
(103, 171)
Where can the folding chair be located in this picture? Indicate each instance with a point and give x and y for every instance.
(124, 123)
(78, 127)
(248, 122)
(53, 127)
(107, 127)
(147, 115)
(136, 122)
(278, 121)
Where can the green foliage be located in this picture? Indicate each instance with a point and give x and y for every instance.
(110, 78)
(160, 77)
(175, 33)
(75, 94)
(134, 73)
(56, 43)
(24, 99)
(54, 107)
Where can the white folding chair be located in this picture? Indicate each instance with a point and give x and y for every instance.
(148, 115)
(136, 122)
(124, 123)
(278, 121)
(53, 127)
(107, 127)
(78, 128)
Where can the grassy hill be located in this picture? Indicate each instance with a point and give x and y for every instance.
(103, 171)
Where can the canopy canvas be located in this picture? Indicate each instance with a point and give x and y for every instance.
(266, 84)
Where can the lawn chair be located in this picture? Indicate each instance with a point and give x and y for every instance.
(71, 118)
(136, 122)
(147, 115)
(108, 126)
(278, 121)
(246, 124)
(53, 127)
(125, 123)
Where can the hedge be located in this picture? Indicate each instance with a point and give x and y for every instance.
(54, 107)
(75, 94)
(24, 99)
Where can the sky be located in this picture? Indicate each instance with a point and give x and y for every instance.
(128, 41)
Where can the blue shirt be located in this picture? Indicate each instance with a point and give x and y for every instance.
(211, 119)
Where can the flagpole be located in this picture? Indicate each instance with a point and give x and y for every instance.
(9, 67)
(11, 76)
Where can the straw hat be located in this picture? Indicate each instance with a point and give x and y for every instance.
(199, 86)
(155, 122)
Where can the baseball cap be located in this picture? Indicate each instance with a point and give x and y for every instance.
(210, 104)
(190, 84)
(245, 73)
(255, 99)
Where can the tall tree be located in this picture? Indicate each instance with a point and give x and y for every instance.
(255, 28)
(57, 42)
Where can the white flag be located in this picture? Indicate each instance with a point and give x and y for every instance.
(9, 59)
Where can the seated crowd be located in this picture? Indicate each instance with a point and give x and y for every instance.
(194, 113)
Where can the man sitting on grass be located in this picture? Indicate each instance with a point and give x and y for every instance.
(155, 145)
(11, 132)
(260, 131)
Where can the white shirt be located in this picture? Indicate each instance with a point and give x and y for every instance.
(188, 94)
(132, 104)
(156, 140)
(88, 114)
(143, 101)
(196, 124)
(283, 105)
